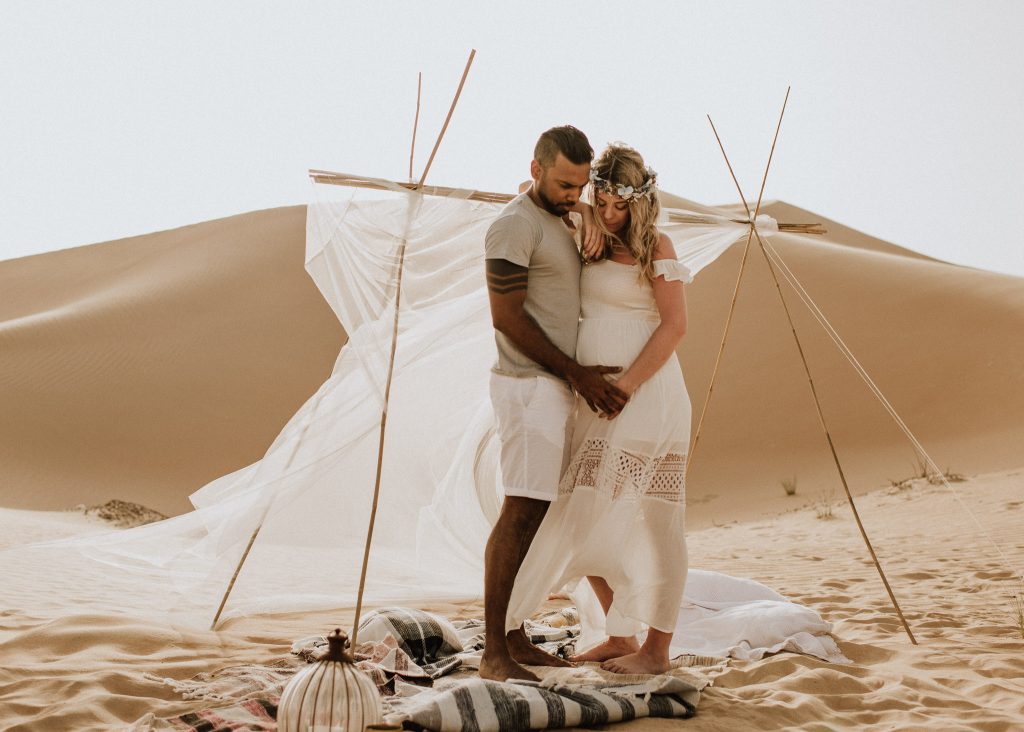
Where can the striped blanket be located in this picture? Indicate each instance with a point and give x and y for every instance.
(478, 704)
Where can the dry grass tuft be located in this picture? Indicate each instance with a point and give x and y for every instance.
(823, 504)
(948, 475)
(123, 514)
(923, 472)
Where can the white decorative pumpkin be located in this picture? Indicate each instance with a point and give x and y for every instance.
(332, 695)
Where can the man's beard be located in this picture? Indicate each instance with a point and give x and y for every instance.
(555, 209)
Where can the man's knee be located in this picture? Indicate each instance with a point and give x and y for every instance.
(523, 512)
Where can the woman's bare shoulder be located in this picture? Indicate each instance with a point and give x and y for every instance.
(664, 250)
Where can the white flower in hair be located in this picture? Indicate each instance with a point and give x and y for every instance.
(627, 193)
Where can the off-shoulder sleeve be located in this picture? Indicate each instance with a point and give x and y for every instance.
(670, 269)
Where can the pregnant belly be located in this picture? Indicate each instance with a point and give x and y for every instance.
(611, 342)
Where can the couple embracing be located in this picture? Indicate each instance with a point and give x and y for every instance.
(593, 415)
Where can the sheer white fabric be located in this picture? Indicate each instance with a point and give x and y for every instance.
(309, 497)
(727, 617)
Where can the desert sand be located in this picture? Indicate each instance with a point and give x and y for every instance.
(143, 368)
(87, 671)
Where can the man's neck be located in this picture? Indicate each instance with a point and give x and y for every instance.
(534, 197)
(532, 194)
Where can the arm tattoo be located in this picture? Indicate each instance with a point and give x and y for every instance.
(504, 277)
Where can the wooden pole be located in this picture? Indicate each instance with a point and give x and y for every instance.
(416, 121)
(832, 449)
(444, 127)
(259, 524)
(771, 154)
(746, 206)
(718, 360)
(382, 184)
(334, 178)
(238, 569)
(391, 369)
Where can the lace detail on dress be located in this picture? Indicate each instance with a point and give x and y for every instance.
(671, 269)
(625, 474)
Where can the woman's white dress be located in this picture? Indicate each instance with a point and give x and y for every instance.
(621, 505)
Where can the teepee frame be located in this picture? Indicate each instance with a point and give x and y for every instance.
(752, 234)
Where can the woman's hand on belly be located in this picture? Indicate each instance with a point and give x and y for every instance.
(627, 384)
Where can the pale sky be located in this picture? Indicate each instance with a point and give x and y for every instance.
(121, 118)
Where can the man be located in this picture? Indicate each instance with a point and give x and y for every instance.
(533, 274)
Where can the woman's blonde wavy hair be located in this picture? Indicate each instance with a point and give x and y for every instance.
(621, 165)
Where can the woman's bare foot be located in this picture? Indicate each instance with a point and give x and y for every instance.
(612, 648)
(524, 651)
(641, 662)
(503, 668)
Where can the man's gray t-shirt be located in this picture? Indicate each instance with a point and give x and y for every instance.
(529, 236)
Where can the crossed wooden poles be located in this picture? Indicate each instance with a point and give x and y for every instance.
(400, 267)
(751, 235)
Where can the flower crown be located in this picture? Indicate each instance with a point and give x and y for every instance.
(627, 193)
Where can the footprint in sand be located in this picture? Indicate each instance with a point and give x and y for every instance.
(1001, 574)
(918, 575)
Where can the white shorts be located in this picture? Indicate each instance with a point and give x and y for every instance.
(533, 426)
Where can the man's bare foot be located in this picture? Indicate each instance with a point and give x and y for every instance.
(503, 668)
(614, 647)
(524, 651)
(638, 663)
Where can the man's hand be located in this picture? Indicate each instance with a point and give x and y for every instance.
(506, 286)
(600, 394)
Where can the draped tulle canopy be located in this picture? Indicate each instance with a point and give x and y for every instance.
(309, 496)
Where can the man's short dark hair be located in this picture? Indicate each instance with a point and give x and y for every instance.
(567, 140)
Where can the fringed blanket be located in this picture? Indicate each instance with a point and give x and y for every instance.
(477, 704)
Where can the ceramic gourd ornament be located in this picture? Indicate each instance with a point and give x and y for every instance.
(331, 695)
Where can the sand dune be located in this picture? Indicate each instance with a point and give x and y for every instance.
(143, 368)
(140, 369)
